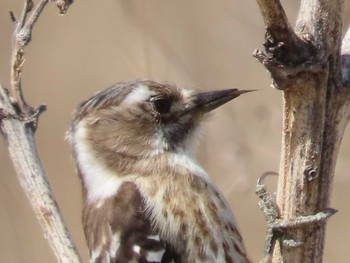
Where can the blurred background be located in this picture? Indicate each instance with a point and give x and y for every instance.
(199, 44)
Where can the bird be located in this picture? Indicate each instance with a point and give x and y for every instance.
(146, 199)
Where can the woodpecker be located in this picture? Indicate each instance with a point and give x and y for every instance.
(145, 197)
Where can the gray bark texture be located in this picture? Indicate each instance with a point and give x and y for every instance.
(310, 65)
(18, 122)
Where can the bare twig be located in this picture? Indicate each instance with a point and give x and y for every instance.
(22, 37)
(18, 122)
(28, 26)
(274, 15)
(28, 5)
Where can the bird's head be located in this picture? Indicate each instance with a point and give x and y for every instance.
(144, 118)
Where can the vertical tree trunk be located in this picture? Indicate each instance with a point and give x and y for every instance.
(305, 64)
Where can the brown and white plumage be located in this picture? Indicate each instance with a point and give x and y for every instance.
(146, 199)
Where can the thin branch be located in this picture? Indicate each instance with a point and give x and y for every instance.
(28, 5)
(18, 122)
(34, 16)
(22, 37)
(274, 15)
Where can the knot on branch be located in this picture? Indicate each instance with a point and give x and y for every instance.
(33, 119)
(23, 36)
(286, 47)
(311, 174)
(9, 108)
(285, 74)
(30, 118)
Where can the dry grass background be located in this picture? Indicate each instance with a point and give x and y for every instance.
(199, 43)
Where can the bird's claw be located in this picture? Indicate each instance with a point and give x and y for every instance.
(276, 227)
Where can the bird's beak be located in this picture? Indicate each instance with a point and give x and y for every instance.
(208, 101)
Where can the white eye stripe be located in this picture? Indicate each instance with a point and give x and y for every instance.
(140, 93)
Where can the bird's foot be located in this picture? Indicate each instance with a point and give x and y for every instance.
(276, 227)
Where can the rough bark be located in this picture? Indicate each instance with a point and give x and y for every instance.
(305, 64)
(18, 122)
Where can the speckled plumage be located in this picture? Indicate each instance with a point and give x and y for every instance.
(146, 199)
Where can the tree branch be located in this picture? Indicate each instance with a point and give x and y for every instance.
(287, 53)
(21, 145)
(22, 36)
(28, 5)
(316, 112)
(18, 122)
(280, 40)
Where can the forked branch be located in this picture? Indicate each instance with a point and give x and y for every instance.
(18, 122)
(281, 41)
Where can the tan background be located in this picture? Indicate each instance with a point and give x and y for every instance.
(199, 43)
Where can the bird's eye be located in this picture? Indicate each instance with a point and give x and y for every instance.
(161, 105)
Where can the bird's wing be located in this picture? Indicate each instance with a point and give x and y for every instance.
(117, 231)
